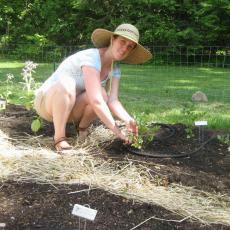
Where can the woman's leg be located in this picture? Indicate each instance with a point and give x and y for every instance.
(59, 103)
(83, 113)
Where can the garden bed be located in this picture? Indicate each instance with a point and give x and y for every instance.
(27, 203)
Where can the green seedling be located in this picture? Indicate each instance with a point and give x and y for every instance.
(30, 86)
(29, 83)
(36, 124)
(191, 114)
(189, 132)
(7, 94)
(146, 132)
(27, 76)
(224, 139)
(137, 142)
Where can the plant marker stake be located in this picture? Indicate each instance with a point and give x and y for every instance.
(201, 125)
(2, 104)
(2, 225)
(84, 212)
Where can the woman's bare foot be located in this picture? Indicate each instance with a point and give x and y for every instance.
(82, 133)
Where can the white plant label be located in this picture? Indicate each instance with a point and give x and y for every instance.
(2, 225)
(2, 104)
(201, 123)
(84, 212)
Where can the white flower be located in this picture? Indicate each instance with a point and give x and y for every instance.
(10, 76)
(27, 75)
(29, 66)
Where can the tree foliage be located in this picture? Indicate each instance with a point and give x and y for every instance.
(167, 22)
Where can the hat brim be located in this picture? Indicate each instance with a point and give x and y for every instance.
(101, 38)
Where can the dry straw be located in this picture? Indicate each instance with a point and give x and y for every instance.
(86, 165)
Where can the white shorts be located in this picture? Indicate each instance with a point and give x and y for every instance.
(39, 106)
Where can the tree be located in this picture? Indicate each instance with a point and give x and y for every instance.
(168, 22)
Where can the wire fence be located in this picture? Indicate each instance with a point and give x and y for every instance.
(211, 56)
(175, 72)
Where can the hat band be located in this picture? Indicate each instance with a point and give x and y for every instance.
(127, 30)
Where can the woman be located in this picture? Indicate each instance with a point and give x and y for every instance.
(76, 90)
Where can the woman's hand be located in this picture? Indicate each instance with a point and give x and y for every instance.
(132, 127)
(121, 134)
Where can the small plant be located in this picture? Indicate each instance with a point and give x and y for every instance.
(137, 142)
(29, 83)
(189, 132)
(8, 93)
(190, 112)
(28, 80)
(224, 139)
(36, 124)
(146, 133)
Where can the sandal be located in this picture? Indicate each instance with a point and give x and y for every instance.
(59, 148)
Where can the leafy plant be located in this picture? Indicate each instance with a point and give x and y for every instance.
(189, 132)
(29, 82)
(36, 124)
(146, 132)
(7, 94)
(224, 139)
(190, 111)
(29, 86)
(137, 142)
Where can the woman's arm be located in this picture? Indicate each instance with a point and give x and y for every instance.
(117, 108)
(94, 93)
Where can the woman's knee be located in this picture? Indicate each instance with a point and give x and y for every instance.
(59, 92)
(59, 96)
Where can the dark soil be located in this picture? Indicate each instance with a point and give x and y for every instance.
(42, 206)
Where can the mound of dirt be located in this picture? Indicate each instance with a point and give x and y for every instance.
(37, 206)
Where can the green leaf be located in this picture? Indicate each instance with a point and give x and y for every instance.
(36, 125)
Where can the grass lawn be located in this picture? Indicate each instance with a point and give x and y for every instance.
(160, 93)
(164, 93)
(194, 190)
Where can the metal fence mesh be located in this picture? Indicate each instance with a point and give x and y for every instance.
(175, 72)
(213, 56)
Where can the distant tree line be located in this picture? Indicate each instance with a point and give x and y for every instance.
(71, 22)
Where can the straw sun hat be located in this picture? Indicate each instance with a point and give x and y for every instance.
(101, 38)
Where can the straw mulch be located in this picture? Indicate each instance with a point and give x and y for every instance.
(131, 180)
